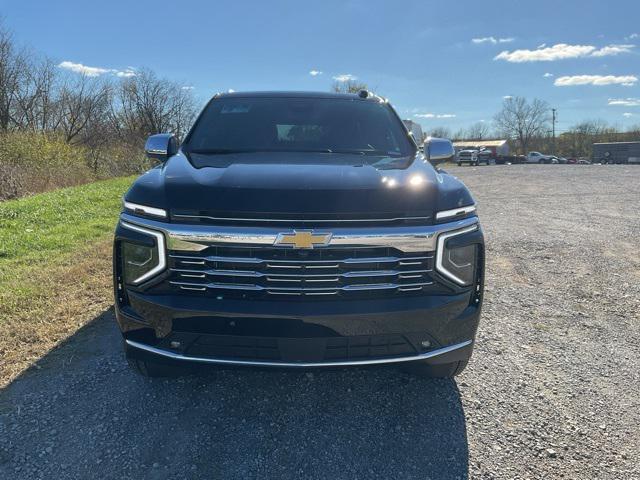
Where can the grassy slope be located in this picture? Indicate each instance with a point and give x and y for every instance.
(37, 230)
(54, 267)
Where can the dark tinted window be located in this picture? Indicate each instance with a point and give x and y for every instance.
(231, 125)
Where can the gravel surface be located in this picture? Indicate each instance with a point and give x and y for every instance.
(552, 390)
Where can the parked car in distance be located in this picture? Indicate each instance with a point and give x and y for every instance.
(475, 157)
(560, 160)
(584, 161)
(468, 156)
(298, 230)
(537, 157)
(485, 156)
(572, 161)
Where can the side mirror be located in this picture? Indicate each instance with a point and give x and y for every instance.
(438, 150)
(161, 146)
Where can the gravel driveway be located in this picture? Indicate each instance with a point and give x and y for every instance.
(553, 390)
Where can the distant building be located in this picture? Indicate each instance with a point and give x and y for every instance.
(497, 147)
(616, 152)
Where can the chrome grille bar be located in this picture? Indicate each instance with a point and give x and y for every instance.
(296, 263)
(418, 238)
(245, 273)
(302, 277)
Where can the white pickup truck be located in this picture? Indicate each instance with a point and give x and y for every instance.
(537, 157)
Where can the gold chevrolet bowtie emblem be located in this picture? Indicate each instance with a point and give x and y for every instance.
(303, 239)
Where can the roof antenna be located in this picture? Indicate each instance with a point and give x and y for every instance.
(363, 94)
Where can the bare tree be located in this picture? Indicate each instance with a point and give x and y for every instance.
(522, 121)
(348, 86)
(439, 132)
(11, 68)
(478, 131)
(147, 104)
(578, 140)
(84, 102)
(35, 100)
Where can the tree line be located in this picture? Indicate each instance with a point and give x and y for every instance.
(527, 125)
(90, 111)
(60, 128)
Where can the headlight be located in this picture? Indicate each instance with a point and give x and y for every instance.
(141, 262)
(457, 263)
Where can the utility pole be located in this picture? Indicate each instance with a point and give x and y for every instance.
(553, 130)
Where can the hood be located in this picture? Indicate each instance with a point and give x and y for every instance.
(293, 185)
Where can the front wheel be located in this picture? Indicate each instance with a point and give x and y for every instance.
(443, 370)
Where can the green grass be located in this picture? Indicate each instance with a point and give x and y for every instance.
(40, 230)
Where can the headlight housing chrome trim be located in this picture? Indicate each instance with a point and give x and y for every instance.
(160, 243)
(442, 238)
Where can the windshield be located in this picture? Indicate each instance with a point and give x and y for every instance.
(280, 124)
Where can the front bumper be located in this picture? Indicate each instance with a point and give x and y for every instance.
(174, 326)
(457, 352)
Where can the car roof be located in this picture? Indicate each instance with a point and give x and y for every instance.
(297, 94)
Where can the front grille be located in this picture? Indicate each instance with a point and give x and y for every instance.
(330, 272)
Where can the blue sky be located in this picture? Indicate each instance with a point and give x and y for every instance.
(420, 54)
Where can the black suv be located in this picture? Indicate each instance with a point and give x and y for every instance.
(298, 230)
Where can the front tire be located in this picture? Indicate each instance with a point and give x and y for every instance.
(443, 370)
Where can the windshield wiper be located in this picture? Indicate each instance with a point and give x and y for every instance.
(217, 151)
(379, 153)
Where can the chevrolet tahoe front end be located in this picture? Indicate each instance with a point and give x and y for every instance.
(298, 230)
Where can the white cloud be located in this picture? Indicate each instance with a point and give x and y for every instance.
(598, 80)
(128, 72)
(561, 51)
(83, 69)
(612, 50)
(345, 77)
(625, 102)
(507, 97)
(547, 75)
(542, 45)
(434, 115)
(492, 40)
(187, 87)
(96, 71)
(547, 54)
(315, 73)
(627, 114)
(231, 90)
(633, 36)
